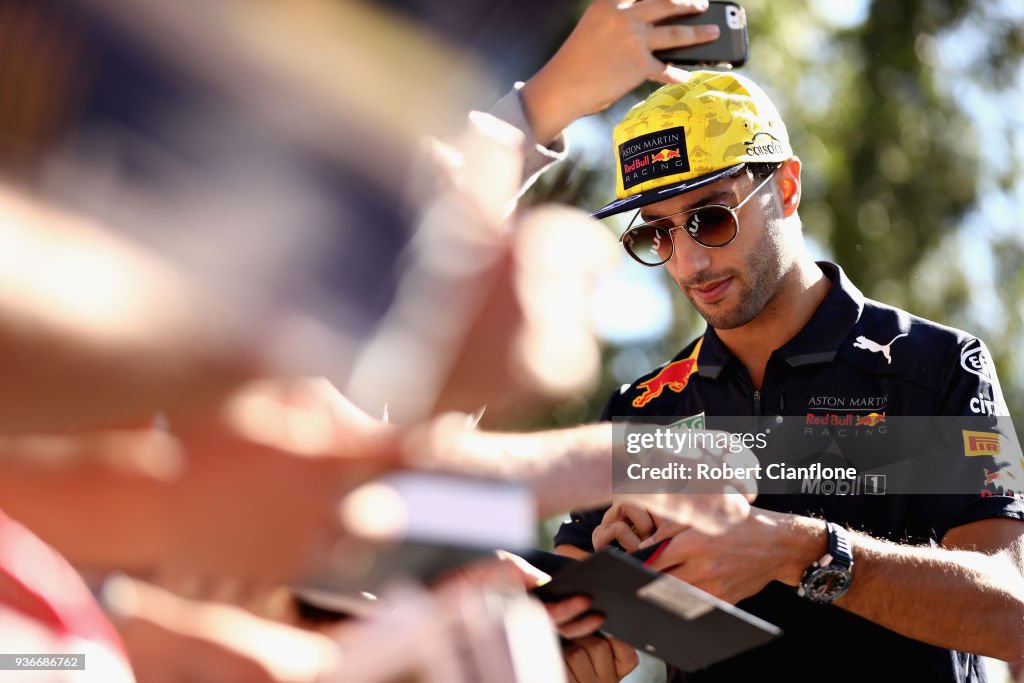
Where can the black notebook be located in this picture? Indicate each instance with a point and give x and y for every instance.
(654, 612)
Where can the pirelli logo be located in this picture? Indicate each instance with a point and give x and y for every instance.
(980, 443)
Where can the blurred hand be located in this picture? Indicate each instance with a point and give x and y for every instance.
(599, 659)
(569, 616)
(95, 329)
(73, 490)
(250, 489)
(489, 315)
(174, 640)
(608, 54)
(260, 494)
(265, 600)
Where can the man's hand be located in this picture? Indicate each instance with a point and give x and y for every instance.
(599, 659)
(738, 561)
(638, 520)
(630, 524)
(712, 513)
(608, 54)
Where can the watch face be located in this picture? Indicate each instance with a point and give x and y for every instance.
(826, 584)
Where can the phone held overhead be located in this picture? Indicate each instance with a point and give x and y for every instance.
(728, 50)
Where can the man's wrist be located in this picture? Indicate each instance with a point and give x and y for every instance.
(549, 110)
(800, 542)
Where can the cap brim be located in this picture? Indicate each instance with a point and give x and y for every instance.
(659, 193)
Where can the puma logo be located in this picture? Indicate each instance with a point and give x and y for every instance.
(874, 347)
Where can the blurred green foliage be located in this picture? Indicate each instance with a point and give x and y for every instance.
(907, 120)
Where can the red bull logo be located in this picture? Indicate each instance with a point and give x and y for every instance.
(829, 420)
(635, 164)
(990, 476)
(871, 419)
(665, 155)
(675, 376)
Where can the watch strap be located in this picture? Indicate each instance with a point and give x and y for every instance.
(840, 549)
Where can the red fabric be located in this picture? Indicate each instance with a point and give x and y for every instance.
(38, 582)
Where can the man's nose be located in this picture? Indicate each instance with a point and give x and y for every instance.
(688, 257)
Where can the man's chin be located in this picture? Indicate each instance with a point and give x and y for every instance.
(720, 316)
(721, 322)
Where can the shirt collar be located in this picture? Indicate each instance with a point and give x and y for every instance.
(817, 342)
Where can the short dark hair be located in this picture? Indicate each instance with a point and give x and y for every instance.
(762, 170)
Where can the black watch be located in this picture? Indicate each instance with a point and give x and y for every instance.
(831, 576)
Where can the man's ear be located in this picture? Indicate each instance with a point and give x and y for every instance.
(789, 183)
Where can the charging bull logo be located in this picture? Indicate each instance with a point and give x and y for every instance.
(871, 419)
(665, 155)
(675, 376)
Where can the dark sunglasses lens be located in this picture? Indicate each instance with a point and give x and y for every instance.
(648, 244)
(712, 226)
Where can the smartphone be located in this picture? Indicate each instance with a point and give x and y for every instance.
(427, 523)
(729, 50)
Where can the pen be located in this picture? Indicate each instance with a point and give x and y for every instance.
(657, 551)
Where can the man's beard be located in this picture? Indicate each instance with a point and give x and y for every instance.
(752, 290)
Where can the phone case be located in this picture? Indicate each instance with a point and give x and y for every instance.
(729, 49)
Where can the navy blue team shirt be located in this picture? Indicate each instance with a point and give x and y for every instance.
(836, 364)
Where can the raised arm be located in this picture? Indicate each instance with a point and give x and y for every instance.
(608, 54)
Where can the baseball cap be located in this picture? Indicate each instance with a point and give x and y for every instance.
(687, 135)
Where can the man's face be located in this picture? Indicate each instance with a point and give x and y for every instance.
(729, 286)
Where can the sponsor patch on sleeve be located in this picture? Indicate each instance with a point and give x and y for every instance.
(975, 360)
(980, 443)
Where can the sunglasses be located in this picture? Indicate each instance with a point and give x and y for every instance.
(712, 226)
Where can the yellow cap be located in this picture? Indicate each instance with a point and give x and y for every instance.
(687, 135)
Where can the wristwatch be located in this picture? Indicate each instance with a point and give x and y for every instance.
(831, 576)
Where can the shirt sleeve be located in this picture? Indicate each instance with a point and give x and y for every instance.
(987, 439)
(536, 157)
(578, 530)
